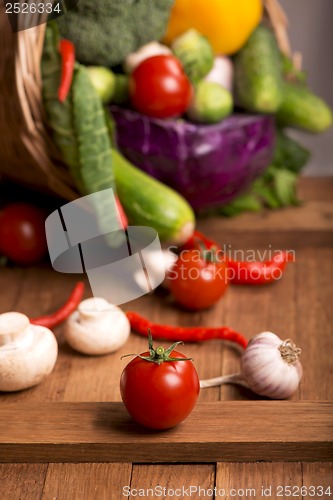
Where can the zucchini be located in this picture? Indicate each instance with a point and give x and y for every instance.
(303, 110)
(258, 76)
(148, 202)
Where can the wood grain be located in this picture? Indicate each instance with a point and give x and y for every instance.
(22, 481)
(299, 306)
(318, 475)
(86, 481)
(173, 481)
(84, 432)
(314, 318)
(256, 480)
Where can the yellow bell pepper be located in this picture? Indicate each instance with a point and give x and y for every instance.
(226, 23)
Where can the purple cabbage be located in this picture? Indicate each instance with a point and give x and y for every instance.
(208, 164)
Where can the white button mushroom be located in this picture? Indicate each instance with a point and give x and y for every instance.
(97, 327)
(28, 352)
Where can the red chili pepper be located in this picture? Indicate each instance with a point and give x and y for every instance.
(142, 325)
(67, 52)
(54, 319)
(258, 273)
(245, 272)
(121, 213)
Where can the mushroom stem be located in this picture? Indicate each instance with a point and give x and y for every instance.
(13, 327)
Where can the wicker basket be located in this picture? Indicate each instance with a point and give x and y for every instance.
(27, 152)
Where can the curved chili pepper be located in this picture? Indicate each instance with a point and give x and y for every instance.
(245, 272)
(258, 273)
(54, 319)
(67, 52)
(121, 213)
(142, 326)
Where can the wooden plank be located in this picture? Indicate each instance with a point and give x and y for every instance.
(86, 481)
(22, 481)
(315, 188)
(295, 227)
(258, 480)
(320, 476)
(216, 431)
(173, 481)
(11, 282)
(285, 228)
(314, 318)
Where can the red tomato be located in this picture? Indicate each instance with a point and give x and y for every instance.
(22, 233)
(197, 283)
(160, 88)
(159, 396)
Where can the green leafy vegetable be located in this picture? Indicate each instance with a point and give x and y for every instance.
(285, 186)
(60, 117)
(79, 129)
(248, 202)
(290, 72)
(289, 153)
(276, 188)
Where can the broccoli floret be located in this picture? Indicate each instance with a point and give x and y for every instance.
(106, 31)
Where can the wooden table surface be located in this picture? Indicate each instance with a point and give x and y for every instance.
(298, 307)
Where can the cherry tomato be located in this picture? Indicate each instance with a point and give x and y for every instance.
(22, 233)
(160, 88)
(159, 396)
(197, 283)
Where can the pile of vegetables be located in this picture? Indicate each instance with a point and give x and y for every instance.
(83, 133)
(257, 79)
(182, 75)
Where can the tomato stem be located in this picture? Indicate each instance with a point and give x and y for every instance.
(160, 354)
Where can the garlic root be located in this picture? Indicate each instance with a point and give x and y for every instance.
(235, 378)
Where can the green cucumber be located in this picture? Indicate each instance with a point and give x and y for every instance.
(258, 76)
(148, 202)
(304, 110)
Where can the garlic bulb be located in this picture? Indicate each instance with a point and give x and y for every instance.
(97, 327)
(222, 73)
(149, 50)
(269, 367)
